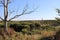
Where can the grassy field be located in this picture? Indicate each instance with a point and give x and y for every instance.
(30, 30)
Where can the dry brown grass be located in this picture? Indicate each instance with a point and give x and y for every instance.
(19, 36)
(48, 33)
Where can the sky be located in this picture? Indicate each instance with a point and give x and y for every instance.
(46, 9)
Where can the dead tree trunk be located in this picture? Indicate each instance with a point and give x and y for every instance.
(5, 15)
(5, 26)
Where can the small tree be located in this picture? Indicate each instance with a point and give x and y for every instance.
(58, 11)
(5, 4)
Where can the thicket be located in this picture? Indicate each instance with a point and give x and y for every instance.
(32, 27)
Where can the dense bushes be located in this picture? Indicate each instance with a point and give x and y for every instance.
(17, 27)
(29, 27)
(47, 38)
(32, 28)
(1, 25)
(26, 28)
(57, 36)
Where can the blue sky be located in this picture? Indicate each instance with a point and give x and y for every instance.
(46, 9)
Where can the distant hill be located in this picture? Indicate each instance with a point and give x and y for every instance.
(34, 21)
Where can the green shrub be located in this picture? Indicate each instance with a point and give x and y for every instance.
(46, 38)
(1, 25)
(36, 32)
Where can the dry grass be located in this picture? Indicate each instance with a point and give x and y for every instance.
(48, 33)
(19, 36)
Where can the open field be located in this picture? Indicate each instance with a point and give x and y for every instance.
(31, 30)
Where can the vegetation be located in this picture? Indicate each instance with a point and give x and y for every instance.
(30, 30)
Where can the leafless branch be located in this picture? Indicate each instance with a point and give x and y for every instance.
(25, 11)
(2, 19)
(1, 1)
(21, 15)
(11, 12)
(8, 1)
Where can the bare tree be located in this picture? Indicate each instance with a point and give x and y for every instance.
(5, 4)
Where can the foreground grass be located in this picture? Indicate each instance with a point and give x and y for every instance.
(20, 36)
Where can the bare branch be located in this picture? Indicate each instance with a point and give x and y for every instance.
(11, 12)
(25, 8)
(9, 1)
(23, 13)
(2, 19)
(1, 1)
(15, 17)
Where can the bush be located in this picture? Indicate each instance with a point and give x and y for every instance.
(46, 38)
(37, 25)
(24, 31)
(34, 26)
(57, 36)
(48, 28)
(1, 25)
(36, 32)
(17, 27)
